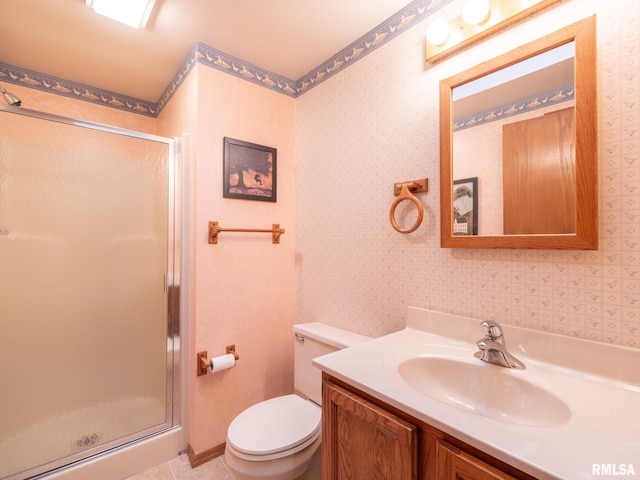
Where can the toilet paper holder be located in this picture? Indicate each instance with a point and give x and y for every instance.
(204, 364)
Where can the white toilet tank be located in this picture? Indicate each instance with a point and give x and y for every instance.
(314, 340)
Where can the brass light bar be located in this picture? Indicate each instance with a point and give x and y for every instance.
(502, 14)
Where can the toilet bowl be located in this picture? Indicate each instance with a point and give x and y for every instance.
(280, 438)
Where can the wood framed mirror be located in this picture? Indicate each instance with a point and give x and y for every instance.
(523, 127)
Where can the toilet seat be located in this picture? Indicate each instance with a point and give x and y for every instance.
(274, 428)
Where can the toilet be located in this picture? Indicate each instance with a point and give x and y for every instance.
(280, 438)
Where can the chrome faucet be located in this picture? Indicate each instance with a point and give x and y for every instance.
(493, 348)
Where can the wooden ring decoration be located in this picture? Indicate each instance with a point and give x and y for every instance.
(405, 194)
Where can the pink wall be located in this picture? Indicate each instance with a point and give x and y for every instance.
(242, 288)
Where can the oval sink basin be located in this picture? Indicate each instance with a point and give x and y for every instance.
(484, 389)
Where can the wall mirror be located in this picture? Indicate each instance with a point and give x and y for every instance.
(518, 147)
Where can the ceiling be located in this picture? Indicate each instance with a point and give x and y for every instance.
(68, 40)
(525, 85)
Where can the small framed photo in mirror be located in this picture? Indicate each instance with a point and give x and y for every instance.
(249, 171)
(465, 206)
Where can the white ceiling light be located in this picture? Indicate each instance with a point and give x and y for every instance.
(134, 13)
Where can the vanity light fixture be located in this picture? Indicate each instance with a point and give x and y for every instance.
(480, 18)
(134, 13)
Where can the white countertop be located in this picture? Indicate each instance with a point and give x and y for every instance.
(599, 383)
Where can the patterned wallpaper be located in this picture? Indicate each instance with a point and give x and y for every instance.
(377, 123)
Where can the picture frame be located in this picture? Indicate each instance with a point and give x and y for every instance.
(249, 171)
(465, 206)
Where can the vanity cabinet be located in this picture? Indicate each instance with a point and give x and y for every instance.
(363, 438)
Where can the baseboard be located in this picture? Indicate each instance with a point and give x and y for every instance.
(205, 456)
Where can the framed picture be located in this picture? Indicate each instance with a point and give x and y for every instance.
(249, 171)
(465, 206)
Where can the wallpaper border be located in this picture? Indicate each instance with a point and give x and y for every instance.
(203, 54)
(553, 97)
(79, 91)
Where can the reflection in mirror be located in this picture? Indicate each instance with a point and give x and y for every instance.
(514, 130)
(523, 128)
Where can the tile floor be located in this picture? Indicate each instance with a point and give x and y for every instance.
(179, 468)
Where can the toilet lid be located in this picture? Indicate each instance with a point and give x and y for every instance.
(275, 425)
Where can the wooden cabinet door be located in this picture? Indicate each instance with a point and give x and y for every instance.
(362, 441)
(455, 464)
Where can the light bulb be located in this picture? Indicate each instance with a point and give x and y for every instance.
(476, 12)
(438, 32)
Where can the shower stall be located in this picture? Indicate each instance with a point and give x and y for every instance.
(89, 292)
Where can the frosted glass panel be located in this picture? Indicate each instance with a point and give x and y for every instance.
(83, 311)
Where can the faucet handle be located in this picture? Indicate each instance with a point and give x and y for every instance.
(492, 329)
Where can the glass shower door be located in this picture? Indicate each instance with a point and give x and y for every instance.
(85, 254)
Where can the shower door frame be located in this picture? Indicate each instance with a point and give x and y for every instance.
(174, 408)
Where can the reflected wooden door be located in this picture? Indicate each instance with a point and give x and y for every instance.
(539, 174)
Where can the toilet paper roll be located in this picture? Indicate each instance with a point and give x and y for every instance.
(223, 362)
